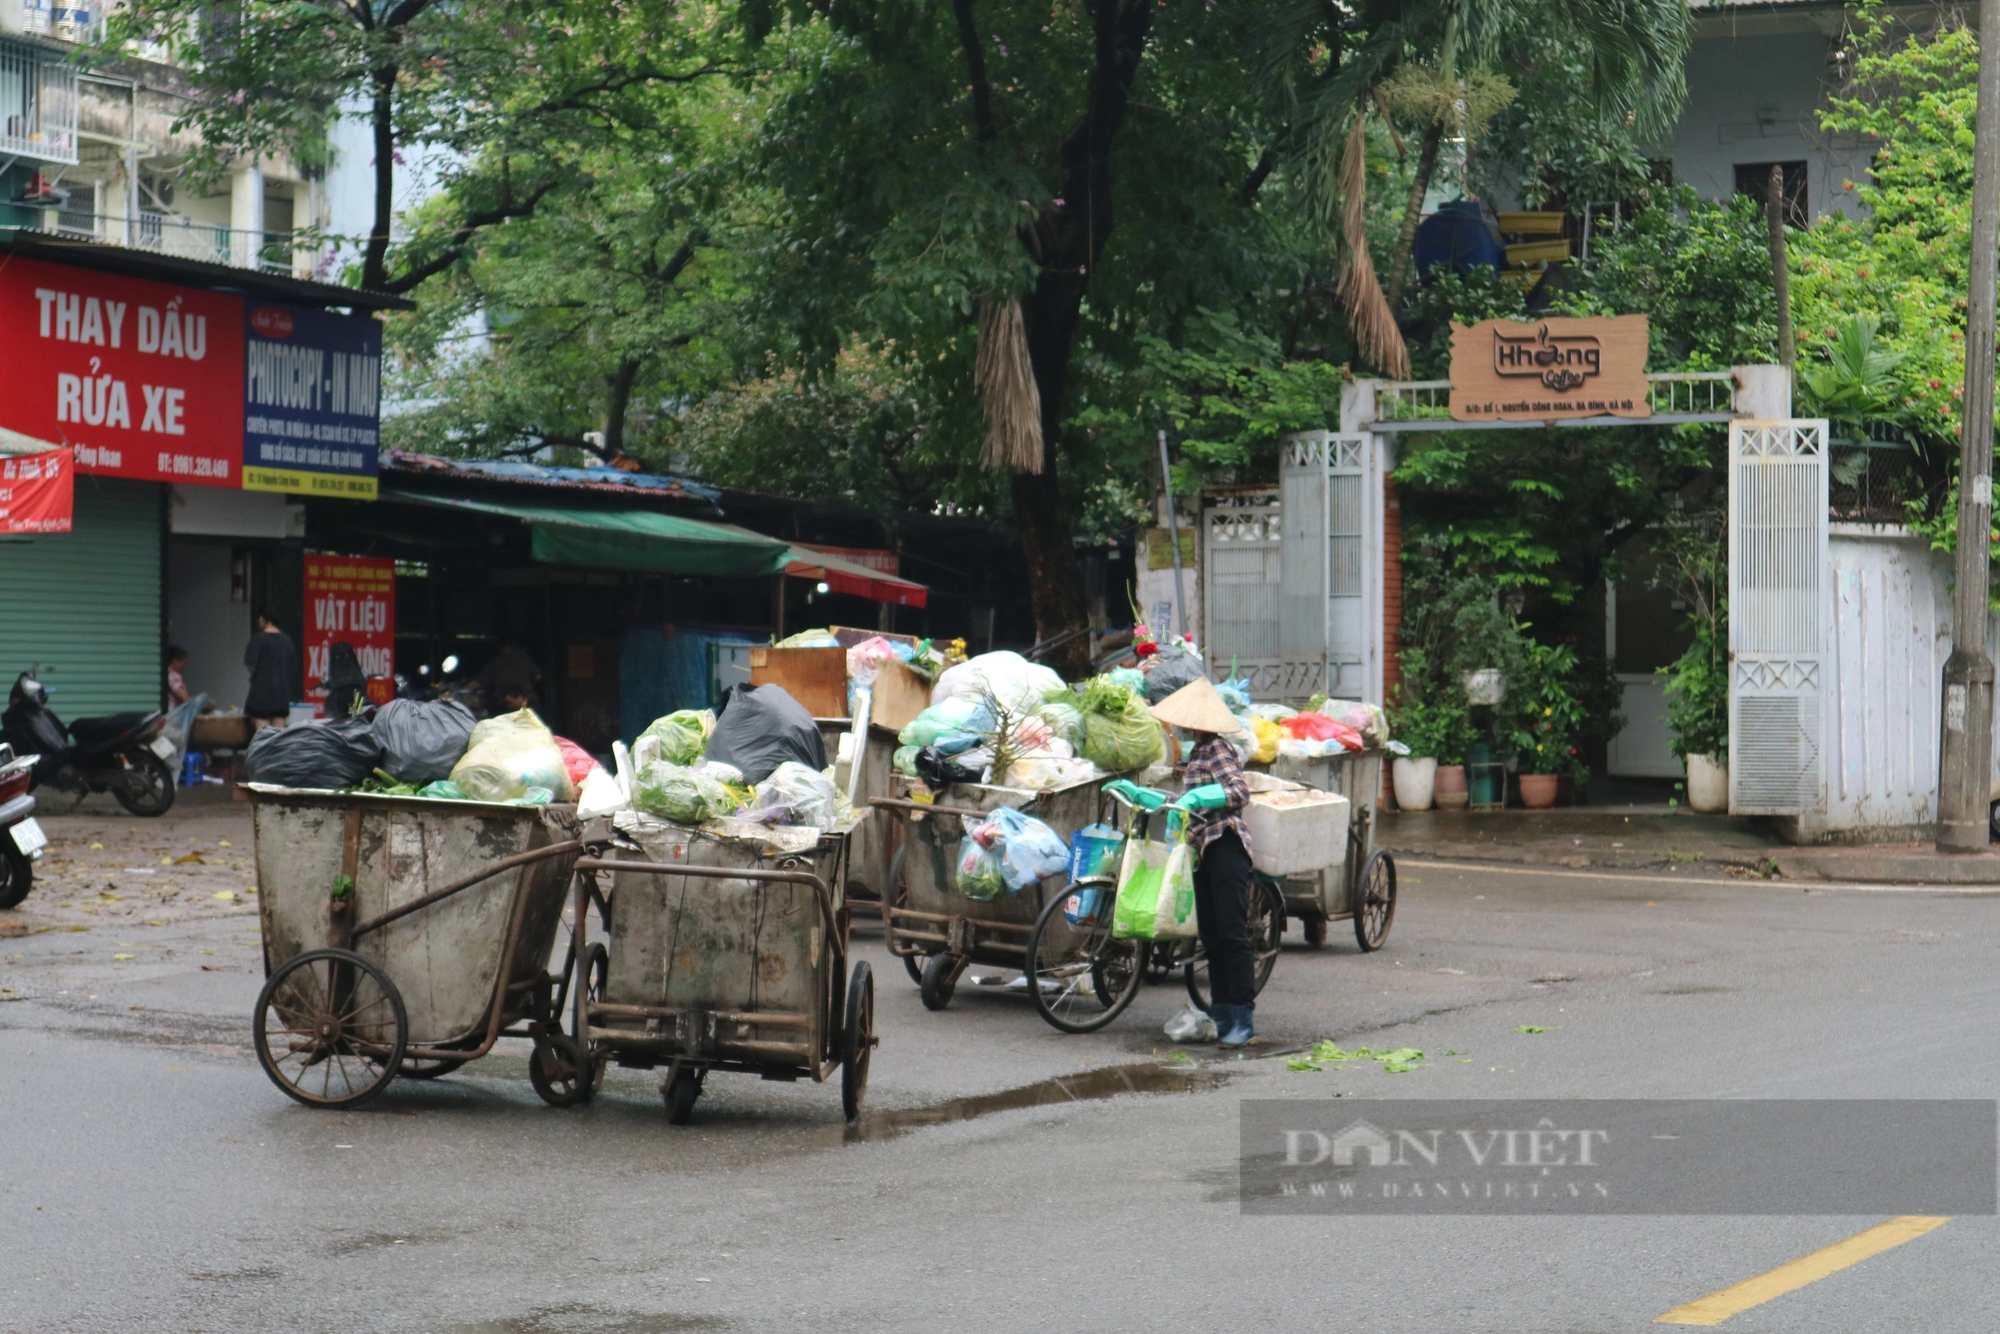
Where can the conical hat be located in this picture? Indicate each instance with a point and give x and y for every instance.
(1198, 708)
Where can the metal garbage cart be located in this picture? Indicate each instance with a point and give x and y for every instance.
(405, 936)
(1362, 888)
(935, 929)
(727, 950)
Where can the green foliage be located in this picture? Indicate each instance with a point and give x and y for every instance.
(1439, 726)
(1692, 562)
(1549, 713)
(1856, 383)
(1698, 696)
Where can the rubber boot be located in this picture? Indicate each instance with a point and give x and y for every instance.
(1239, 1029)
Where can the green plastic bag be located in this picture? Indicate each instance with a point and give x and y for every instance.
(1155, 891)
(682, 735)
(1119, 731)
(675, 792)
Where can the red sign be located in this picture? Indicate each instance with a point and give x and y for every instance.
(138, 378)
(351, 598)
(37, 492)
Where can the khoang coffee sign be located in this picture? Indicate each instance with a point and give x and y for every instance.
(1503, 370)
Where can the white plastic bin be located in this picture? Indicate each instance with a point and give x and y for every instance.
(1296, 830)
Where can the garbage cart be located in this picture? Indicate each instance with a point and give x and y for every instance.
(726, 950)
(405, 937)
(1362, 886)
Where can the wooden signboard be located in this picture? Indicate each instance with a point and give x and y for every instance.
(1505, 371)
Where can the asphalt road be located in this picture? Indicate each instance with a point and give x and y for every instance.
(151, 1177)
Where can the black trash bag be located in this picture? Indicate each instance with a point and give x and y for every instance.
(334, 753)
(760, 727)
(422, 741)
(941, 771)
(1172, 668)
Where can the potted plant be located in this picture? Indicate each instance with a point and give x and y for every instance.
(1433, 732)
(1693, 564)
(1550, 721)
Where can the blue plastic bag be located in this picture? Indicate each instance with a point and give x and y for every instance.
(1028, 848)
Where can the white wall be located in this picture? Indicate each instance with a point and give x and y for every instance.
(1755, 88)
(202, 620)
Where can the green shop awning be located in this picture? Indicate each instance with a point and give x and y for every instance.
(630, 539)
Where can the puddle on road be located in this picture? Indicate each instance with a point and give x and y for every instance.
(1108, 1081)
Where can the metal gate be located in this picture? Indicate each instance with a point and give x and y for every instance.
(1778, 588)
(1330, 593)
(1241, 562)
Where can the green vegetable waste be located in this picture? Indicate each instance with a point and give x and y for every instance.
(1394, 1061)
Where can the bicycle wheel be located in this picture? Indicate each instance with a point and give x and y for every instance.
(1079, 976)
(1267, 925)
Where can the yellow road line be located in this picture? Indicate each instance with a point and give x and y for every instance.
(1790, 1277)
(1746, 882)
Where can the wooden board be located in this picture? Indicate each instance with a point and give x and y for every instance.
(1523, 253)
(1531, 224)
(815, 677)
(1502, 370)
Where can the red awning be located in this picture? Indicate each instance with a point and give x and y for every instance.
(843, 574)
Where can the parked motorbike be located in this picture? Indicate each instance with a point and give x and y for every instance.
(124, 754)
(21, 838)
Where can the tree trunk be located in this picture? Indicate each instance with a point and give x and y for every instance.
(375, 256)
(1068, 240)
(1413, 212)
(621, 399)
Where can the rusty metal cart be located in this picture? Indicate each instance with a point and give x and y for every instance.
(405, 936)
(936, 930)
(1362, 888)
(727, 950)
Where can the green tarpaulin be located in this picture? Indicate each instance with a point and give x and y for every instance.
(631, 539)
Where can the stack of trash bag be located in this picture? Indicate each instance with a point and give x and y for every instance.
(328, 753)
(1171, 668)
(1119, 731)
(866, 660)
(794, 795)
(1265, 736)
(1042, 759)
(679, 793)
(510, 754)
(422, 739)
(1367, 719)
(1007, 850)
(1311, 735)
(1019, 686)
(951, 726)
(679, 738)
(821, 638)
(1236, 694)
(762, 727)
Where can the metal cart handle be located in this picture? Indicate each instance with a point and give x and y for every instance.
(485, 873)
(819, 889)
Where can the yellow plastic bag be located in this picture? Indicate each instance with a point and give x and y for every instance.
(1267, 733)
(510, 754)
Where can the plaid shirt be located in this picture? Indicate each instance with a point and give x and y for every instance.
(1216, 761)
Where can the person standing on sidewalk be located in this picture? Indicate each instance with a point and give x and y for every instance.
(1220, 841)
(274, 673)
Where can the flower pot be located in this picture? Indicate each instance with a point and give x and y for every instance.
(1414, 780)
(1538, 790)
(1448, 788)
(1708, 784)
(1488, 685)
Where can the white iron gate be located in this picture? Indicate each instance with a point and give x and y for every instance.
(1778, 587)
(1241, 560)
(1330, 593)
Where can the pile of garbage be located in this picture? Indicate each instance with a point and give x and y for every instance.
(761, 759)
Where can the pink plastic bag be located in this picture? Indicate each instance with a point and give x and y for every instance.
(1348, 737)
(866, 660)
(577, 761)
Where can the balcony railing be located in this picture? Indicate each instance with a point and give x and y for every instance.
(37, 104)
(172, 234)
(1675, 396)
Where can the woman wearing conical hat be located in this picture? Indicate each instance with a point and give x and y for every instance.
(1217, 793)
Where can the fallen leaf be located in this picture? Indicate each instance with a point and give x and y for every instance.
(192, 859)
(166, 860)
(226, 895)
(98, 847)
(224, 843)
(155, 922)
(124, 956)
(109, 897)
(1531, 1028)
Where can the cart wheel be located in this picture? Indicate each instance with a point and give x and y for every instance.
(1080, 977)
(1267, 909)
(17, 873)
(1315, 931)
(330, 1028)
(596, 972)
(913, 964)
(683, 1086)
(424, 1067)
(939, 981)
(558, 1070)
(858, 1043)
(1375, 901)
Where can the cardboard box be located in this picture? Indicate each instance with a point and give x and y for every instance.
(815, 677)
(900, 695)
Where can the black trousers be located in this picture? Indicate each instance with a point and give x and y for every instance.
(1222, 910)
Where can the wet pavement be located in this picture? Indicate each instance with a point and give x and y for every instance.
(1008, 1176)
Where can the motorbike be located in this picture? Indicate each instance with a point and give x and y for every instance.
(21, 838)
(125, 754)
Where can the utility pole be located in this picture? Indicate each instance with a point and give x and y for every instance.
(1966, 757)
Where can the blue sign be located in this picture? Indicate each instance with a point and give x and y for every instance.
(312, 391)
